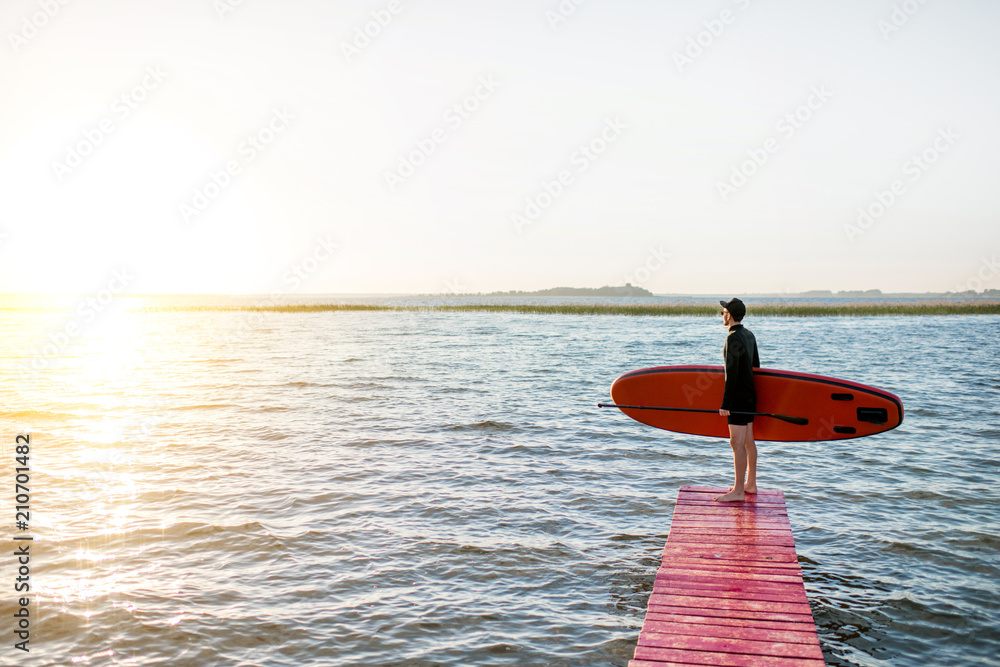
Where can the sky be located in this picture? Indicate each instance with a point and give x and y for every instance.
(439, 146)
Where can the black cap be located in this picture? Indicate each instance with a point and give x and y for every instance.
(735, 308)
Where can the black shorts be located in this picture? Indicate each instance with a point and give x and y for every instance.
(739, 420)
(743, 406)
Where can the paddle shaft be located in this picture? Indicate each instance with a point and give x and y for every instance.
(801, 421)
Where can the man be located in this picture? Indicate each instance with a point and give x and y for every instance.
(740, 353)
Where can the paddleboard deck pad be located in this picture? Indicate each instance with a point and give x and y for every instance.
(836, 409)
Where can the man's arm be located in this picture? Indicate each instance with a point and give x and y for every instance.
(756, 358)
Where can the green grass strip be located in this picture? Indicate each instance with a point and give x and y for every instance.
(675, 309)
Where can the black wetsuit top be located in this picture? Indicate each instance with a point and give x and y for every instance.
(740, 352)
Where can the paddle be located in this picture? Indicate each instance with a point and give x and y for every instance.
(801, 421)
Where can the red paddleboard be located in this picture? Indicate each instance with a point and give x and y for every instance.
(835, 409)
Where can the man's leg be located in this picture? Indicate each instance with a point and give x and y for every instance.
(737, 440)
(751, 447)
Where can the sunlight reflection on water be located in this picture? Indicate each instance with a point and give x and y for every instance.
(439, 487)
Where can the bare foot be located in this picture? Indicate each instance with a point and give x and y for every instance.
(751, 489)
(732, 496)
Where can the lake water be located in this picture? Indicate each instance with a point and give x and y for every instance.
(434, 488)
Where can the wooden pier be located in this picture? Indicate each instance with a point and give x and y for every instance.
(729, 589)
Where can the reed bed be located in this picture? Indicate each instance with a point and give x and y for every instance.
(776, 309)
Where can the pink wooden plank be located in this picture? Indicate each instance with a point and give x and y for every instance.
(730, 535)
(702, 550)
(762, 592)
(734, 521)
(697, 563)
(727, 645)
(724, 603)
(750, 614)
(729, 528)
(730, 509)
(731, 632)
(722, 594)
(727, 583)
(729, 553)
(737, 520)
(734, 535)
(740, 520)
(749, 537)
(735, 589)
(679, 617)
(657, 656)
(745, 519)
(734, 574)
(707, 521)
(773, 580)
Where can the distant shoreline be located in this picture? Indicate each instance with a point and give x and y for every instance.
(633, 309)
